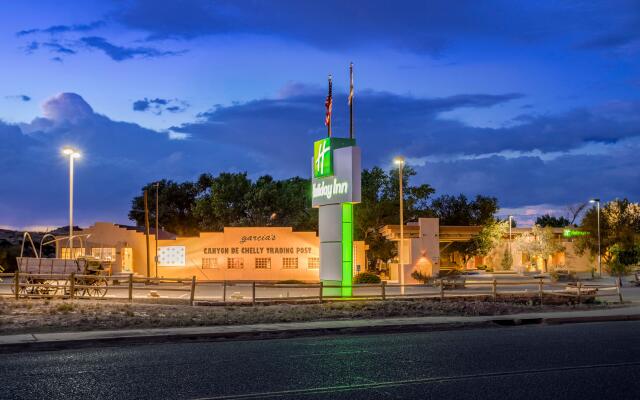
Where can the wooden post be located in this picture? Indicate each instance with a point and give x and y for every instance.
(618, 289)
(224, 291)
(441, 289)
(579, 286)
(321, 290)
(253, 293)
(16, 284)
(540, 292)
(193, 290)
(494, 289)
(130, 288)
(384, 290)
(72, 289)
(146, 232)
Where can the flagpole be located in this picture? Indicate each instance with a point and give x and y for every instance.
(330, 106)
(351, 101)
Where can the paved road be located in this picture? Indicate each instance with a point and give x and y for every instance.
(586, 361)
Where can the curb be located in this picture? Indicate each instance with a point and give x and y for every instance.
(33, 344)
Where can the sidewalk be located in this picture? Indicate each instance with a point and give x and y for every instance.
(56, 341)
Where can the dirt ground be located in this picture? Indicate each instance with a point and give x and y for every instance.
(37, 315)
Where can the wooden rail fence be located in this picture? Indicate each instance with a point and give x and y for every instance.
(76, 286)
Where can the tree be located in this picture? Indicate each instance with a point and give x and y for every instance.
(540, 243)
(621, 260)
(380, 206)
(550, 220)
(486, 240)
(507, 260)
(619, 226)
(176, 202)
(458, 210)
(232, 199)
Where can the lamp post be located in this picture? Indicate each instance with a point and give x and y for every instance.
(399, 161)
(597, 201)
(72, 154)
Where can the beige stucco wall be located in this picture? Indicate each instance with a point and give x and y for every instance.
(247, 243)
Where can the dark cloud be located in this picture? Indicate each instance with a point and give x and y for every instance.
(274, 136)
(387, 123)
(158, 106)
(117, 159)
(21, 97)
(120, 53)
(57, 29)
(58, 48)
(418, 26)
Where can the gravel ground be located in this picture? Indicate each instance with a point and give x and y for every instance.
(28, 316)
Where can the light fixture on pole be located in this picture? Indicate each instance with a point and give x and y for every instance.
(399, 161)
(72, 154)
(597, 201)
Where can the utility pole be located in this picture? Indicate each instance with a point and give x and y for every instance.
(146, 228)
(157, 216)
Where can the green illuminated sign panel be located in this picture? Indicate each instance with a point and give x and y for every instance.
(322, 162)
(569, 233)
(323, 155)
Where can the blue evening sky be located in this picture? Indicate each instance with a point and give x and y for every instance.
(536, 103)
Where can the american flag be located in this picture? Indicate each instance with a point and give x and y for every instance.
(328, 105)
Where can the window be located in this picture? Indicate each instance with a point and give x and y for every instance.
(104, 253)
(172, 256)
(263, 263)
(235, 263)
(77, 252)
(290, 263)
(210, 262)
(314, 263)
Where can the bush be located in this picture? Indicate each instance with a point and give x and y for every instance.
(420, 277)
(366, 277)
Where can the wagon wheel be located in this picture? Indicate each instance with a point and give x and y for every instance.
(49, 290)
(22, 289)
(98, 288)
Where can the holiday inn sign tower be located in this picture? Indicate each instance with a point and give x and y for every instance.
(335, 190)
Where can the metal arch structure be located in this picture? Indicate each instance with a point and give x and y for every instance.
(26, 236)
(55, 240)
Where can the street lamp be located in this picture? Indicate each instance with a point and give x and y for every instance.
(597, 201)
(399, 161)
(72, 154)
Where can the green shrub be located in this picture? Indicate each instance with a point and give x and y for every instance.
(366, 277)
(420, 277)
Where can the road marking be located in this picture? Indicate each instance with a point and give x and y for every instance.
(407, 382)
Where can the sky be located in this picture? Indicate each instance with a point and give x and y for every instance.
(536, 103)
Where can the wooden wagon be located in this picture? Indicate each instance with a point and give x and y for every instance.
(51, 276)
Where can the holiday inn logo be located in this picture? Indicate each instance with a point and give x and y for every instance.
(322, 158)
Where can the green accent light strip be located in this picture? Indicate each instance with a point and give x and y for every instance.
(347, 249)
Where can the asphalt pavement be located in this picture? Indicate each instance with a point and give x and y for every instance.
(581, 361)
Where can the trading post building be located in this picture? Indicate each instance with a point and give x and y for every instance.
(236, 253)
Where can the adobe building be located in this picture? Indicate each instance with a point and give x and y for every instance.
(426, 245)
(236, 253)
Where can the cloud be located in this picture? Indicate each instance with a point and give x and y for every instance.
(117, 159)
(412, 25)
(58, 48)
(158, 105)
(57, 29)
(20, 97)
(274, 136)
(121, 53)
